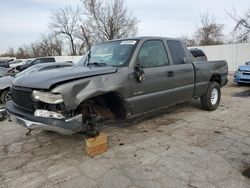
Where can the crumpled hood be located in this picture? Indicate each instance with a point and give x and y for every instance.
(244, 67)
(45, 79)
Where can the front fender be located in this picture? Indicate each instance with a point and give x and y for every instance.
(75, 92)
(5, 82)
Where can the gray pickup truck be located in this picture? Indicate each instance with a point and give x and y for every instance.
(116, 79)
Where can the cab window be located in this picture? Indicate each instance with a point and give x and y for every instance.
(153, 54)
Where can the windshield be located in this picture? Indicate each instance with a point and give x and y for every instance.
(29, 62)
(115, 53)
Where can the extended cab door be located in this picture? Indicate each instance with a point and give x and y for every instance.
(183, 79)
(165, 82)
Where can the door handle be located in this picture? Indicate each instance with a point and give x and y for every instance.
(170, 73)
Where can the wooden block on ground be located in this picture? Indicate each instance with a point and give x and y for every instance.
(97, 145)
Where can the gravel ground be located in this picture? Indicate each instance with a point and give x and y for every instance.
(182, 146)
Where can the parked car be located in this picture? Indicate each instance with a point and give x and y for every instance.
(35, 61)
(247, 63)
(5, 82)
(198, 54)
(120, 78)
(5, 62)
(18, 62)
(7, 71)
(242, 75)
(15, 61)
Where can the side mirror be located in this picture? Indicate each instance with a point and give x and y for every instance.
(139, 73)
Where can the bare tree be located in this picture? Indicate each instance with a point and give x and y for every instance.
(10, 53)
(241, 31)
(84, 34)
(108, 19)
(189, 41)
(23, 52)
(210, 32)
(50, 45)
(102, 20)
(35, 49)
(64, 21)
(47, 45)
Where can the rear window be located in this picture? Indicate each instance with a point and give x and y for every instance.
(177, 51)
(47, 60)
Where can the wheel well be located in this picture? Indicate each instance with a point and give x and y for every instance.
(4, 89)
(216, 78)
(110, 102)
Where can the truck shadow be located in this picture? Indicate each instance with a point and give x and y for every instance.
(178, 108)
(187, 106)
(241, 94)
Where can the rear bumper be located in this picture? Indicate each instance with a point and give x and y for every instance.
(31, 122)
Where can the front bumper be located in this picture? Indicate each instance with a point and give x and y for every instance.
(240, 78)
(31, 122)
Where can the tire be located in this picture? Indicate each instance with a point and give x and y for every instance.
(5, 96)
(2, 116)
(211, 100)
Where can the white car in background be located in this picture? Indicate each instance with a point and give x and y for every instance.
(19, 62)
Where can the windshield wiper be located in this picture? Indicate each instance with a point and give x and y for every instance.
(97, 64)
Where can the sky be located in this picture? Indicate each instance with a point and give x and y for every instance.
(23, 21)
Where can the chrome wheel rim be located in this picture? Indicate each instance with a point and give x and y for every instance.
(214, 96)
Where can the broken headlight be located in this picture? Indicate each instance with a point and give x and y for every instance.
(48, 114)
(47, 97)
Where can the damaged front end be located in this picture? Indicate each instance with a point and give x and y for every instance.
(68, 106)
(66, 126)
(43, 111)
(48, 105)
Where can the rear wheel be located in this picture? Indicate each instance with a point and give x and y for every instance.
(211, 100)
(5, 96)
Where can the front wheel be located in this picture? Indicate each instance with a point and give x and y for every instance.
(211, 100)
(5, 96)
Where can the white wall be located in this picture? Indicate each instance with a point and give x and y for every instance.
(234, 54)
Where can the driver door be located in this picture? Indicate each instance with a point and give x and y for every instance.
(151, 93)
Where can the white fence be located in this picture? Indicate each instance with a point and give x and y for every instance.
(234, 54)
